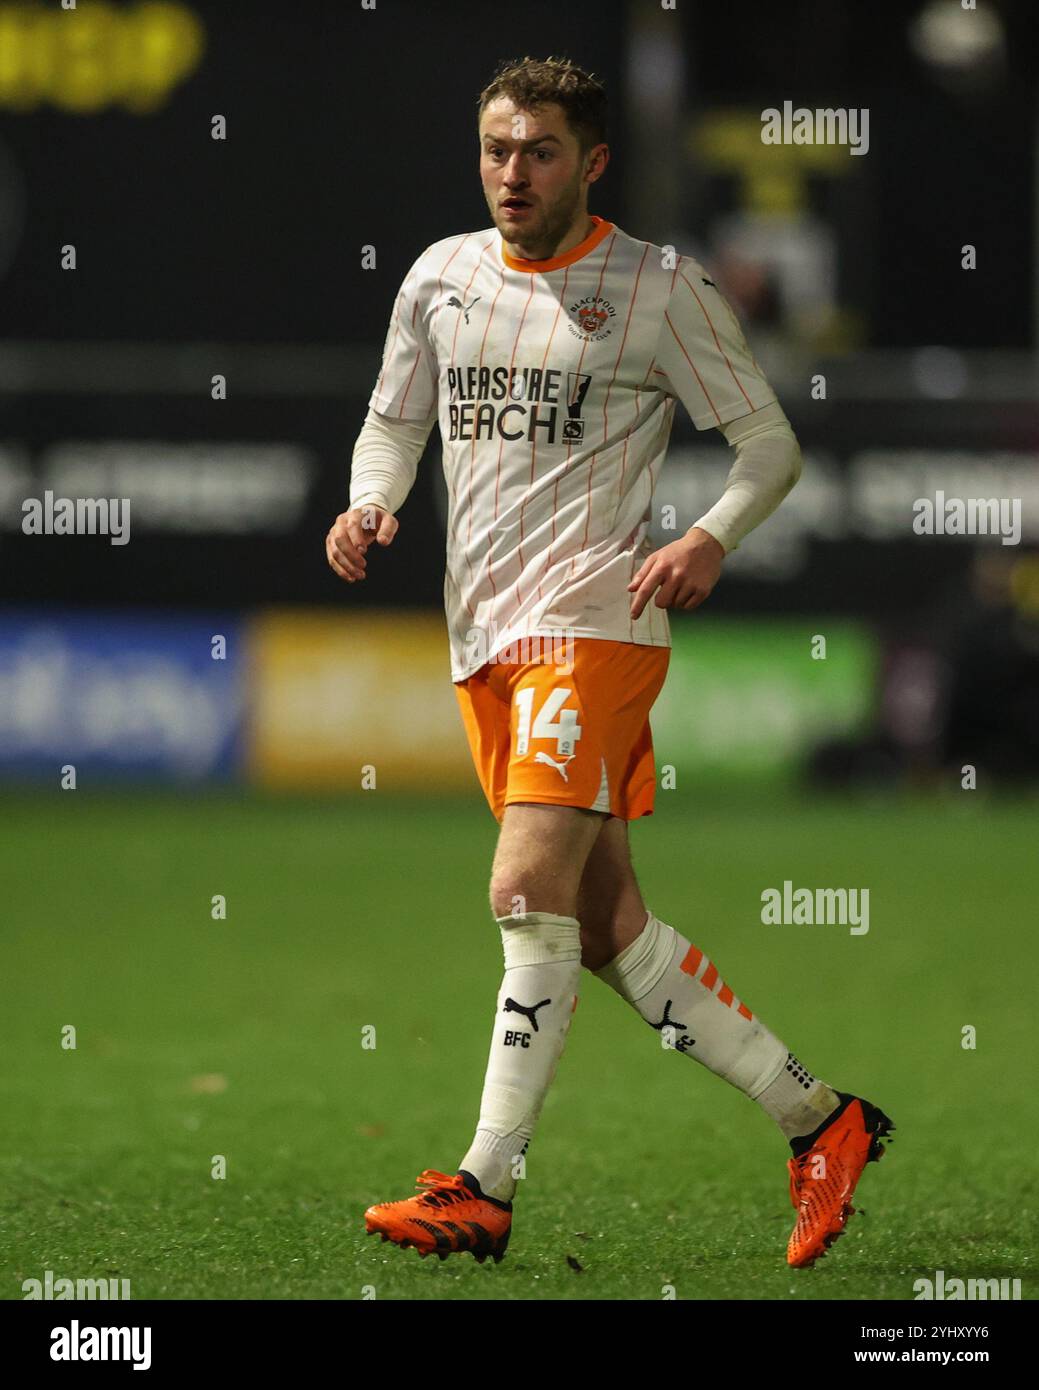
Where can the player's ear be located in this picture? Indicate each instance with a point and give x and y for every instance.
(596, 162)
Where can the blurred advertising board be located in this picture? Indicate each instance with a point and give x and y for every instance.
(336, 694)
(344, 701)
(309, 700)
(142, 695)
(752, 697)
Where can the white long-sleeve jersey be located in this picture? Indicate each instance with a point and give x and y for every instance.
(554, 384)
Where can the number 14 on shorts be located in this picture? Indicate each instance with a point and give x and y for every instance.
(551, 721)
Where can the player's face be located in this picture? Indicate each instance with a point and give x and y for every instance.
(533, 173)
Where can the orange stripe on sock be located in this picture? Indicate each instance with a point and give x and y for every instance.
(691, 964)
(726, 996)
(744, 1011)
(710, 976)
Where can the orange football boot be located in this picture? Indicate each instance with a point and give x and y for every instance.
(823, 1175)
(452, 1215)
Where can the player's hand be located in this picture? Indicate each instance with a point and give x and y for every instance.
(681, 574)
(352, 533)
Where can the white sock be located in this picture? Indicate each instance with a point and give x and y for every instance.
(796, 1100)
(672, 984)
(536, 1002)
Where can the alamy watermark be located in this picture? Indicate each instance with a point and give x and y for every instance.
(77, 516)
(831, 125)
(968, 516)
(820, 907)
(483, 645)
(49, 1287)
(79, 1342)
(950, 1290)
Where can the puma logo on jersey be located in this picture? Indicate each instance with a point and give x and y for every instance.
(455, 303)
(708, 282)
(559, 767)
(527, 1010)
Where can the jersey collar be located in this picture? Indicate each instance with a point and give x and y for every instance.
(601, 229)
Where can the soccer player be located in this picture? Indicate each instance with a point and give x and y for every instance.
(552, 349)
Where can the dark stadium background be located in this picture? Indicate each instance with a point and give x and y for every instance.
(349, 129)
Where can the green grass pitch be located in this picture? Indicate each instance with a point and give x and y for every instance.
(242, 1038)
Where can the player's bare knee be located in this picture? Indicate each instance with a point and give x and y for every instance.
(516, 891)
(506, 900)
(541, 856)
(513, 896)
(509, 891)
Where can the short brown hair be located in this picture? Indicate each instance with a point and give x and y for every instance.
(533, 82)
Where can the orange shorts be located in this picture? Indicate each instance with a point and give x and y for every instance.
(567, 735)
